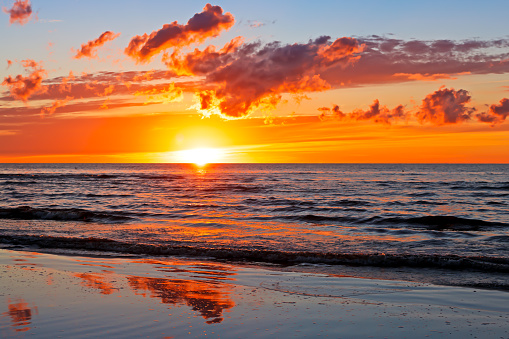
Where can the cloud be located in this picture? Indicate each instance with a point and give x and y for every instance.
(335, 111)
(65, 85)
(445, 106)
(425, 77)
(241, 78)
(201, 26)
(20, 13)
(375, 113)
(56, 104)
(388, 60)
(162, 95)
(102, 83)
(202, 62)
(379, 114)
(255, 24)
(496, 114)
(9, 63)
(89, 50)
(21, 87)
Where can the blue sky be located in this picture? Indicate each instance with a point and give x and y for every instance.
(67, 24)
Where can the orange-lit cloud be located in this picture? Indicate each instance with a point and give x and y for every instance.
(375, 113)
(100, 84)
(242, 78)
(9, 63)
(56, 104)
(496, 114)
(424, 77)
(202, 62)
(21, 87)
(445, 106)
(106, 91)
(65, 85)
(201, 26)
(20, 12)
(162, 95)
(89, 50)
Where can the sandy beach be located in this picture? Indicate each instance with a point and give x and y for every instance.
(48, 295)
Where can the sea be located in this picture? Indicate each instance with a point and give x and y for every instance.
(432, 223)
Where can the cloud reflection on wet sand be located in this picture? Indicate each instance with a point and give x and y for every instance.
(21, 314)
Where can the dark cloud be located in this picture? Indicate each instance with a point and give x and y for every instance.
(496, 114)
(445, 106)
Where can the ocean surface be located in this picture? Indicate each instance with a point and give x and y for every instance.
(446, 224)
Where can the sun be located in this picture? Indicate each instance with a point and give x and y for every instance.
(200, 156)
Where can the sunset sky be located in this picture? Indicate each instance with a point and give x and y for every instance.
(254, 81)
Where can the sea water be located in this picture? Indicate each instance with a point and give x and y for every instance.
(441, 223)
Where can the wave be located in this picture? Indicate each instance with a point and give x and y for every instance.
(159, 176)
(60, 214)
(434, 223)
(311, 218)
(454, 262)
(348, 202)
(441, 222)
(272, 201)
(480, 186)
(234, 188)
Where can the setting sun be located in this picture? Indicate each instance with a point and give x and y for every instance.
(200, 156)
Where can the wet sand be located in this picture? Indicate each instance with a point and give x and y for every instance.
(47, 296)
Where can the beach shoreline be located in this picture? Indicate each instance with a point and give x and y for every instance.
(44, 295)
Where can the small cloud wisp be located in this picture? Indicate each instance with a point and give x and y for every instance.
(89, 50)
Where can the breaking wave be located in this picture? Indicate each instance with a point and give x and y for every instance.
(455, 262)
(60, 214)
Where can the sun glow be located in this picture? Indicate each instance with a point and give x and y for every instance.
(201, 156)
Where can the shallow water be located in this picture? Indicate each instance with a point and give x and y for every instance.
(453, 217)
(46, 296)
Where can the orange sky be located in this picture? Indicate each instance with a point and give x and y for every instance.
(214, 79)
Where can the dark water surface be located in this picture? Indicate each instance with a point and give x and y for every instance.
(440, 220)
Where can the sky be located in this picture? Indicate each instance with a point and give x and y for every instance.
(265, 81)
